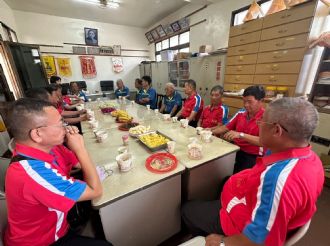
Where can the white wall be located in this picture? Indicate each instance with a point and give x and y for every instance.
(215, 31)
(7, 16)
(53, 30)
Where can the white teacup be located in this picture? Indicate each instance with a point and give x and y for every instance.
(166, 116)
(120, 97)
(184, 123)
(174, 119)
(132, 102)
(124, 162)
(171, 147)
(206, 135)
(89, 99)
(199, 130)
(156, 111)
(101, 136)
(148, 107)
(93, 124)
(122, 150)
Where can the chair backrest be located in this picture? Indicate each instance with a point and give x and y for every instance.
(297, 235)
(106, 85)
(160, 98)
(4, 163)
(81, 84)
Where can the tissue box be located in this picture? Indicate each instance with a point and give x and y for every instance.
(205, 48)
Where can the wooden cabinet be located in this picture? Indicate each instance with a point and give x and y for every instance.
(268, 51)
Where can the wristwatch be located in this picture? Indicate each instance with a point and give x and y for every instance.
(222, 243)
(241, 135)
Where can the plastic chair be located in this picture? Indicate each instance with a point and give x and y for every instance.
(196, 241)
(106, 85)
(298, 234)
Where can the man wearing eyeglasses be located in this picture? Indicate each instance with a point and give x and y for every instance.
(39, 189)
(268, 203)
(243, 130)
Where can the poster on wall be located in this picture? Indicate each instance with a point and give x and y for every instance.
(91, 37)
(184, 23)
(64, 67)
(149, 37)
(160, 31)
(168, 29)
(117, 64)
(88, 68)
(49, 65)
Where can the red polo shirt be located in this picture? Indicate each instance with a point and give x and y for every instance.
(272, 199)
(193, 103)
(39, 194)
(212, 116)
(240, 122)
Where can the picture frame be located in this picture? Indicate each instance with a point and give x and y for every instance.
(160, 31)
(91, 36)
(149, 37)
(154, 34)
(175, 26)
(168, 29)
(184, 23)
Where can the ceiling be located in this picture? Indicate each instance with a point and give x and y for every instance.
(139, 13)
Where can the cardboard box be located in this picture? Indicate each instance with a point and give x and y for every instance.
(205, 48)
(183, 55)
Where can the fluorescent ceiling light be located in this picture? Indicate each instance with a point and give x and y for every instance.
(108, 3)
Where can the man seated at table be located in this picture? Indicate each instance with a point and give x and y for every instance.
(148, 95)
(193, 105)
(243, 129)
(266, 204)
(76, 91)
(39, 190)
(172, 102)
(122, 90)
(138, 86)
(215, 114)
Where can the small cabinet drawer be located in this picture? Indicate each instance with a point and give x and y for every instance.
(297, 41)
(243, 49)
(282, 55)
(241, 69)
(290, 29)
(245, 39)
(244, 59)
(296, 13)
(244, 79)
(276, 79)
(233, 102)
(250, 26)
(278, 68)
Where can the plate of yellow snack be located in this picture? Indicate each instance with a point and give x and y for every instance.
(154, 140)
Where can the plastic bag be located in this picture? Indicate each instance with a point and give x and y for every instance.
(254, 12)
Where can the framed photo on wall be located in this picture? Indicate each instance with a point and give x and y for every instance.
(184, 23)
(175, 26)
(160, 31)
(168, 29)
(149, 37)
(91, 36)
(154, 34)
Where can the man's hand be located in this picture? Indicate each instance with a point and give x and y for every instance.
(213, 240)
(231, 135)
(82, 111)
(74, 140)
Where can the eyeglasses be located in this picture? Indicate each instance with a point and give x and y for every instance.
(62, 125)
(271, 123)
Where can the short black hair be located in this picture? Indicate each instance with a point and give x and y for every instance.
(139, 81)
(22, 116)
(53, 79)
(51, 88)
(217, 88)
(37, 93)
(257, 91)
(147, 78)
(192, 83)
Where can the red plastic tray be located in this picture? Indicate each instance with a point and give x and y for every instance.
(161, 157)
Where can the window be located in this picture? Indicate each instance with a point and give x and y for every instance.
(177, 43)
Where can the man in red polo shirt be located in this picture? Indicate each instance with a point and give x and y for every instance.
(215, 114)
(242, 128)
(193, 105)
(39, 190)
(266, 204)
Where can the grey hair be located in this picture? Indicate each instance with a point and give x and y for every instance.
(119, 80)
(217, 88)
(298, 116)
(170, 85)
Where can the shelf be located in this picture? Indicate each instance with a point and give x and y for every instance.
(323, 110)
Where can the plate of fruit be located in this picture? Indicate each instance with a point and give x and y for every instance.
(138, 130)
(127, 126)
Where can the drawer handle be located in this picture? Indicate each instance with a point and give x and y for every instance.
(272, 79)
(275, 67)
(242, 39)
(280, 44)
(240, 50)
(285, 16)
(282, 31)
(237, 78)
(241, 58)
(239, 68)
(276, 57)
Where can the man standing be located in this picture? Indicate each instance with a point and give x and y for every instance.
(243, 129)
(122, 90)
(149, 94)
(193, 105)
(215, 114)
(266, 204)
(172, 100)
(39, 190)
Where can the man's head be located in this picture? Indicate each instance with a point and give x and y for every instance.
(216, 94)
(120, 84)
(38, 93)
(53, 92)
(252, 99)
(55, 80)
(36, 122)
(91, 34)
(146, 82)
(190, 87)
(169, 89)
(74, 87)
(287, 121)
(138, 84)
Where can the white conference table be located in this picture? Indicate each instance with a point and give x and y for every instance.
(143, 208)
